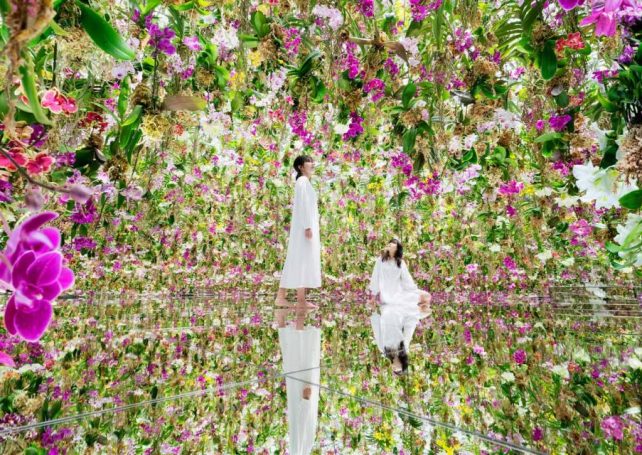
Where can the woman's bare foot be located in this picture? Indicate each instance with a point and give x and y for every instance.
(282, 302)
(307, 392)
(280, 316)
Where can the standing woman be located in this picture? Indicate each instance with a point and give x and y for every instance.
(302, 268)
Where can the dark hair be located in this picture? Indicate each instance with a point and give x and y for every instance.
(299, 162)
(398, 254)
(391, 353)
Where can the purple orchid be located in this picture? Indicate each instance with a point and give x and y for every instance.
(570, 4)
(33, 269)
(605, 15)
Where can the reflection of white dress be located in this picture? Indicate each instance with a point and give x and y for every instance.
(400, 312)
(302, 268)
(301, 350)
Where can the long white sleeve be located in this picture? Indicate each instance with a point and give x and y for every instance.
(407, 283)
(305, 201)
(374, 279)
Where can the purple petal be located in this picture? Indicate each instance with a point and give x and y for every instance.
(32, 325)
(45, 269)
(612, 5)
(568, 4)
(20, 267)
(51, 291)
(605, 26)
(27, 226)
(44, 240)
(590, 19)
(9, 316)
(66, 279)
(5, 359)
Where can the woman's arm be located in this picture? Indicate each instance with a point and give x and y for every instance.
(407, 283)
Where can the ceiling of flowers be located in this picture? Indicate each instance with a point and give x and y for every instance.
(501, 141)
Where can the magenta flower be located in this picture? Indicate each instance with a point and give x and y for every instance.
(613, 427)
(509, 188)
(34, 271)
(376, 86)
(355, 128)
(570, 4)
(509, 263)
(519, 357)
(605, 15)
(559, 122)
(581, 228)
(366, 7)
(538, 434)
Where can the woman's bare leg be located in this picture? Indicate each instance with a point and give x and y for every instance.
(281, 298)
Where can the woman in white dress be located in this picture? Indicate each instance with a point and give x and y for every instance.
(302, 268)
(403, 304)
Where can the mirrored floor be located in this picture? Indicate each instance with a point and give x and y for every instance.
(231, 373)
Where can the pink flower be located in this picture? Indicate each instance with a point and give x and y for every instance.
(613, 427)
(581, 227)
(34, 271)
(570, 4)
(509, 188)
(605, 15)
(519, 357)
(58, 103)
(192, 43)
(40, 164)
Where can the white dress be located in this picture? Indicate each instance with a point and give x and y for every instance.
(394, 284)
(400, 312)
(301, 350)
(302, 268)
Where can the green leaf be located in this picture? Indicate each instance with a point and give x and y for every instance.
(151, 4)
(133, 116)
(4, 7)
(407, 95)
(612, 247)
(123, 97)
(57, 29)
(547, 61)
(408, 139)
(546, 137)
(632, 200)
(29, 87)
(259, 22)
(319, 91)
(103, 34)
(249, 40)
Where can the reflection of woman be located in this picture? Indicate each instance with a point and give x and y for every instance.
(302, 268)
(301, 351)
(402, 305)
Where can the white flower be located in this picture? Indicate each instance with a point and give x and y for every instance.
(411, 46)
(470, 140)
(568, 261)
(561, 370)
(600, 185)
(635, 363)
(507, 376)
(543, 192)
(495, 248)
(566, 201)
(225, 39)
(581, 355)
(333, 15)
(340, 128)
(544, 255)
(628, 235)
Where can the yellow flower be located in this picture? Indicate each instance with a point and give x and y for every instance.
(529, 189)
(256, 58)
(236, 80)
(264, 8)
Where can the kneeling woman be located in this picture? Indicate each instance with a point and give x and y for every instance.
(402, 305)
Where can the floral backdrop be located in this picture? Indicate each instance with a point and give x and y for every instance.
(148, 145)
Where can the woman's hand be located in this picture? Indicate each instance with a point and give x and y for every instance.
(308, 233)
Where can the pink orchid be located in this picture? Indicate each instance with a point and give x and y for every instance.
(51, 101)
(41, 163)
(605, 15)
